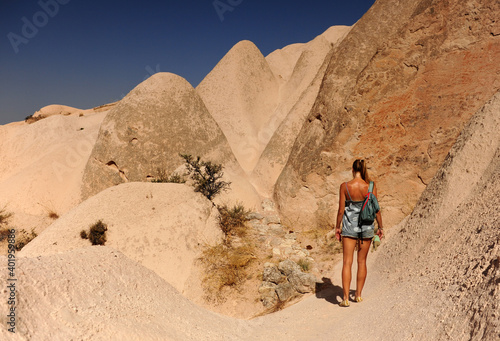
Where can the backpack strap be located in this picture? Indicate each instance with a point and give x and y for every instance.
(347, 188)
(370, 187)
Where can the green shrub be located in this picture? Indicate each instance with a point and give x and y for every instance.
(97, 234)
(232, 219)
(206, 176)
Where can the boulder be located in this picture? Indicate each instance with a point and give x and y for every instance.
(272, 274)
(268, 295)
(287, 267)
(285, 291)
(303, 282)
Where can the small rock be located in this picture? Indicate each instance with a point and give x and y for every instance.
(272, 274)
(288, 266)
(276, 252)
(268, 205)
(291, 236)
(275, 241)
(287, 243)
(257, 225)
(266, 287)
(276, 229)
(268, 295)
(301, 254)
(285, 291)
(303, 282)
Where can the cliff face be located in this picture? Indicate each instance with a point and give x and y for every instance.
(398, 90)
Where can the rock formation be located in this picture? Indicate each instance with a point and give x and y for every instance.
(162, 117)
(241, 93)
(297, 95)
(421, 69)
(451, 241)
(261, 103)
(42, 166)
(161, 226)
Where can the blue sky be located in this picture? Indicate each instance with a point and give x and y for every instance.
(88, 53)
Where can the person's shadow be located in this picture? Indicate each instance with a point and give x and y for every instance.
(330, 292)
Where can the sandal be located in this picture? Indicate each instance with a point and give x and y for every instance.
(344, 303)
(359, 299)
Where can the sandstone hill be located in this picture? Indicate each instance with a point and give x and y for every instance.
(42, 166)
(145, 221)
(297, 96)
(413, 87)
(99, 293)
(250, 97)
(148, 129)
(422, 68)
(241, 92)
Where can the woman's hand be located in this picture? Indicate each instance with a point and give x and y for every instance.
(338, 231)
(380, 232)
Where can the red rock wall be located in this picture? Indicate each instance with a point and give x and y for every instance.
(397, 96)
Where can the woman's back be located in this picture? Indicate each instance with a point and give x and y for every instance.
(357, 190)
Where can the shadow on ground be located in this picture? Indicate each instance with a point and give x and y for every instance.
(330, 292)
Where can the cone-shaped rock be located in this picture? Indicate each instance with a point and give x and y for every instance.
(162, 117)
(241, 93)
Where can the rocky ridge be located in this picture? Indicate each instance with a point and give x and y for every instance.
(423, 68)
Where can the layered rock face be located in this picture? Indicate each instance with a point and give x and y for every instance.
(451, 241)
(421, 69)
(146, 131)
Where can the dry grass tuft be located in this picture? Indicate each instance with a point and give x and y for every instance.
(225, 267)
(304, 264)
(53, 215)
(24, 238)
(163, 176)
(4, 216)
(232, 220)
(96, 234)
(32, 119)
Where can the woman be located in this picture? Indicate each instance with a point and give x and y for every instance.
(351, 198)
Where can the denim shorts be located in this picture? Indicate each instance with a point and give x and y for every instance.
(350, 226)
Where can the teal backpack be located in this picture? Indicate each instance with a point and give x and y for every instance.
(370, 208)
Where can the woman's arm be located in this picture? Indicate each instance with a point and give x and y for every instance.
(340, 212)
(378, 217)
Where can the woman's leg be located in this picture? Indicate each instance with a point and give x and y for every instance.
(348, 244)
(362, 254)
